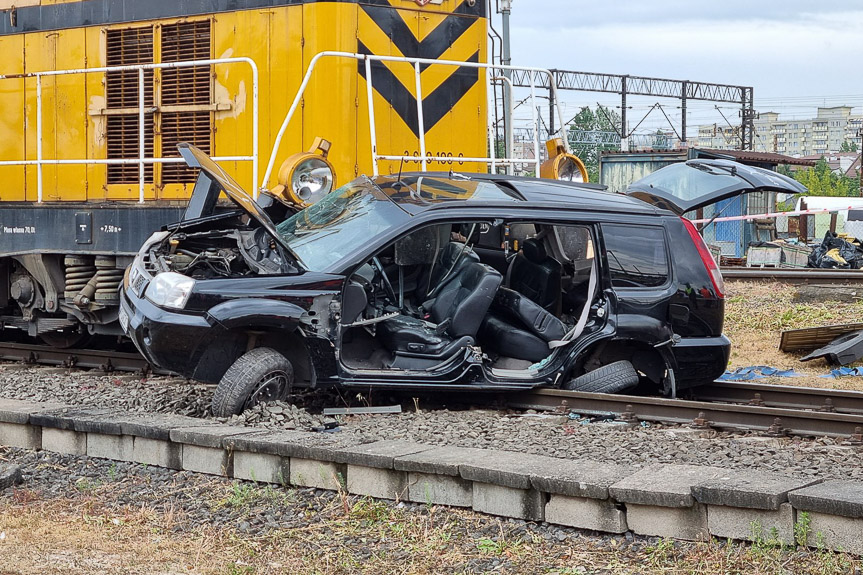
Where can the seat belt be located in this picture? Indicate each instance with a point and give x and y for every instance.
(576, 331)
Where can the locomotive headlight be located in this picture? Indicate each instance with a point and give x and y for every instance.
(307, 177)
(170, 290)
(561, 165)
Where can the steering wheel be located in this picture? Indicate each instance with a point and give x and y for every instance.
(388, 287)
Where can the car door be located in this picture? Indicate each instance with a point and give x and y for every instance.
(694, 184)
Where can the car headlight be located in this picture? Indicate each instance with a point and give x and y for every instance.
(170, 289)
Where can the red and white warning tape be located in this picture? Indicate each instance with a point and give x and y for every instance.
(776, 215)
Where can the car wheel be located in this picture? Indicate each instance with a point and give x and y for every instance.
(612, 378)
(258, 376)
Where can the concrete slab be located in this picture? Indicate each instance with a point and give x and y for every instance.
(261, 467)
(157, 452)
(83, 419)
(689, 523)
(437, 489)
(586, 513)
(835, 532)
(577, 478)
(505, 468)
(282, 443)
(64, 441)
(210, 460)
(379, 454)
(18, 411)
(377, 482)
(439, 460)
(663, 485)
(18, 435)
(525, 504)
(748, 489)
(158, 425)
(771, 526)
(835, 497)
(119, 447)
(208, 436)
(318, 474)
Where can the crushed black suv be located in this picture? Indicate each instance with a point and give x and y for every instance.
(438, 281)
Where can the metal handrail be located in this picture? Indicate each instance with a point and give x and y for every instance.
(141, 160)
(417, 63)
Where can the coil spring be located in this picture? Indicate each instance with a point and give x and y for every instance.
(108, 280)
(79, 271)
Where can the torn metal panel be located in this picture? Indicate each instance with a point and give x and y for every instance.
(843, 350)
(810, 338)
(362, 410)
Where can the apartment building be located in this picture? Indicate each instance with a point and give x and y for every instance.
(816, 136)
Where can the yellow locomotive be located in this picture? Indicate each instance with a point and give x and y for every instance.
(96, 94)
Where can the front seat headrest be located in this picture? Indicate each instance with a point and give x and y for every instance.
(534, 251)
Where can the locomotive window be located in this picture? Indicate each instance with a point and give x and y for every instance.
(183, 102)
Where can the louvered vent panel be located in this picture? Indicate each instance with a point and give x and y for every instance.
(191, 127)
(123, 144)
(127, 47)
(185, 87)
(183, 42)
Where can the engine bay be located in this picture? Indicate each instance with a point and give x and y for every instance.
(219, 254)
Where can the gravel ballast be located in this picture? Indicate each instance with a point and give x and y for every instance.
(552, 435)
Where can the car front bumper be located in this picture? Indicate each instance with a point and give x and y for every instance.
(169, 340)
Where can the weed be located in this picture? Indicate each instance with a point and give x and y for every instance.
(236, 568)
(112, 472)
(661, 552)
(802, 528)
(370, 510)
(86, 484)
(244, 495)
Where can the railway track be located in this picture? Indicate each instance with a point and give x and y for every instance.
(794, 276)
(773, 410)
(104, 360)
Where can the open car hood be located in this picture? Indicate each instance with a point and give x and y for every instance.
(697, 183)
(212, 180)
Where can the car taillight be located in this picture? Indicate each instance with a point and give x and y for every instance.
(706, 258)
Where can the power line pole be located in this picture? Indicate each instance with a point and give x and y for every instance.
(506, 60)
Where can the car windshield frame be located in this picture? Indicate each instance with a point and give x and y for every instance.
(325, 233)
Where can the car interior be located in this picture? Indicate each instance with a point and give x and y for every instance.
(511, 292)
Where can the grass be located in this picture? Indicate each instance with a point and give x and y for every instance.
(88, 536)
(756, 313)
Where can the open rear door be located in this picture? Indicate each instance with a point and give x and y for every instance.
(697, 183)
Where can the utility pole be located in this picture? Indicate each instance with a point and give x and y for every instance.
(506, 60)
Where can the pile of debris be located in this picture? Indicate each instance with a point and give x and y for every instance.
(839, 251)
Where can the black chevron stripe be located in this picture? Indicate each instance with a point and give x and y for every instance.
(435, 44)
(435, 105)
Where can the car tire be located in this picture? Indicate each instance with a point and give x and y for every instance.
(259, 375)
(612, 378)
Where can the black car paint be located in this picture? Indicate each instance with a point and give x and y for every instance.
(195, 341)
(298, 312)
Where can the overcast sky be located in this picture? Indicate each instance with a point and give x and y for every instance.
(796, 54)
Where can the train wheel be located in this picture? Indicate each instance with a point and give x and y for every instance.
(65, 339)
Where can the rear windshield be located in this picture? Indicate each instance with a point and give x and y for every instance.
(637, 255)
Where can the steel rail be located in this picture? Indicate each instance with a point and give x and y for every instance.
(700, 414)
(75, 358)
(795, 276)
(782, 396)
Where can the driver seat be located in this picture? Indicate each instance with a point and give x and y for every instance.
(452, 318)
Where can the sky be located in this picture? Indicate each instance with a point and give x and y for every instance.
(796, 54)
